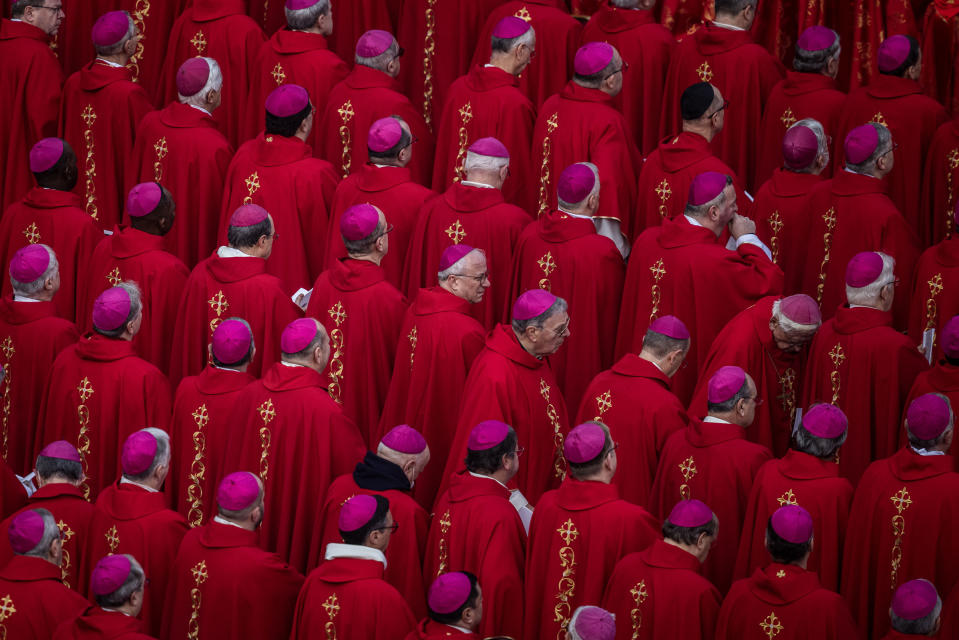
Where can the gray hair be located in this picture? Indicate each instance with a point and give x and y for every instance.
(559, 306)
(594, 80)
(824, 448)
(727, 406)
(791, 326)
(867, 296)
(475, 161)
(321, 339)
(381, 61)
(821, 141)
(699, 211)
(505, 45)
(114, 49)
(883, 146)
(28, 289)
(816, 61)
(243, 513)
(732, 7)
(624, 4)
(572, 205)
(213, 83)
(303, 19)
(916, 443)
(364, 245)
(136, 305)
(132, 584)
(18, 7)
(921, 627)
(51, 532)
(457, 267)
(160, 458)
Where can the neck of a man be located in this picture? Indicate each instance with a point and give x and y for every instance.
(388, 162)
(483, 177)
(706, 223)
(243, 524)
(118, 58)
(527, 345)
(503, 61)
(314, 29)
(706, 131)
(43, 295)
(375, 257)
(730, 416)
(737, 20)
(688, 548)
(150, 227)
(250, 251)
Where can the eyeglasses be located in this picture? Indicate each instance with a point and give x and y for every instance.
(519, 451)
(413, 140)
(387, 230)
(480, 278)
(56, 9)
(894, 283)
(399, 54)
(895, 145)
(722, 108)
(392, 528)
(274, 236)
(624, 68)
(759, 401)
(562, 329)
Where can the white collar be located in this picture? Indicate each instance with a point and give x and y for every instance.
(477, 475)
(199, 108)
(383, 166)
(17, 298)
(336, 550)
(458, 628)
(116, 611)
(859, 173)
(230, 252)
(220, 520)
(731, 27)
(477, 184)
(226, 369)
(716, 420)
(924, 452)
(142, 486)
(574, 215)
(292, 364)
(112, 64)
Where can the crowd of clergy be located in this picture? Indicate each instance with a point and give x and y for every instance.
(590, 320)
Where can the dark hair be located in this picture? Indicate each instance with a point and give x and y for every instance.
(378, 521)
(586, 469)
(165, 209)
(287, 126)
(910, 60)
(782, 551)
(245, 358)
(491, 460)
(48, 468)
(364, 245)
(661, 345)
(815, 61)
(824, 448)
(953, 361)
(689, 535)
(248, 236)
(724, 407)
(404, 141)
(57, 172)
(734, 6)
(504, 45)
(454, 616)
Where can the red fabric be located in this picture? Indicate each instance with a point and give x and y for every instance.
(181, 148)
(781, 213)
(244, 592)
(476, 529)
(720, 468)
(30, 88)
(486, 102)
(429, 630)
(813, 484)
(248, 293)
(870, 382)
(353, 19)
(668, 173)
(363, 339)
(792, 596)
(565, 255)
(438, 343)
(747, 342)
(775, 27)
(704, 285)
(506, 383)
(218, 29)
(950, 618)
(200, 431)
(863, 218)
(287, 428)
(578, 534)
(634, 400)
(32, 336)
(646, 47)
(129, 519)
(659, 594)
(73, 515)
(935, 291)
(13, 495)
(62, 225)
(879, 518)
(393, 191)
(557, 39)
(268, 14)
(121, 394)
(292, 57)
(940, 42)
(370, 94)
(684, 16)
(103, 139)
(743, 71)
(588, 129)
(942, 378)
(404, 555)
(98, 624)
(912, 118)
(278, 174)
(476, 217)
(37, 601)
(940, 184)
(369, 608)
(864, 26)
(131, 254)
(153, 20)
(798, 96)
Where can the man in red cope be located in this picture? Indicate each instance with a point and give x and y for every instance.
(785, 599)
(852, 213)
(390, 472)
(767, 339)
(894, 99)
(511, 380)
(370, 92)
(432, 362)
(935, 292)
(136, 253)
(233, 279)
(51, 214)
(488, 102)
(578, 534)
(671, 168)
(723, 52)
(781, 207)
(220, 30)
(297, 55)
(472, 211)
(117, 584)
(385, 182)
(681, 269)
(635, 401)
(362, 313)
(277, 168)
(917, 610)
(181, 148)
(808, 91)
(32, 337)
(898, 513)
(564, 252)
(859, 355)
(940, 186)
(808, 476)
(200, 429)
(712, 460)
(101, 110)
(684, 605)
(348, 595)
(456, 605)
(30, 84)
(943, 377)
(131, 516)
(222, 584)
(99, 391)
(579, 124)
(288, 428)
(477, 528)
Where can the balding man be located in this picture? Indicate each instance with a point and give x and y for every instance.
(438, 343)
(295, 437)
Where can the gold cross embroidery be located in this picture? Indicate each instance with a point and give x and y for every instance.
(552, 123)
(332, 606)
(219, 303)
(658, 269)
(85, 389)
(901, 500)
(114, 277)
(932, 310)
(278, 74)
(346, 111)
(776, 224)
(113, 539)
(466, 115)
(412, 337)
(771, 626)
(6, 608)
(568, 532)
(252, 186)
(337, 313)
(705, 72)
(780, 574)
(199, 572)
(199, 42)
(445, 524)
(160, 149)
(787, 118)
(838, 357)
(879, 119)
(787, 498)
(688, 468)
(456, 232)
(548, 266)
(88, 116)
(604, 403)
(639, 594)
(7, 347)
(32, 233)
(267, 411)
(523, 14)
(665, 192)
(201, 416)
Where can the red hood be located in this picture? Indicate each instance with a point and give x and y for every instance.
(431, 630)
(225, 536)
(684, 150)
(798, 83)
(342, 570)
(234, 269)
(99, 348)
(362, 77)
(288, 42)
(767, 585)
(577, 93)
(677, 232)
(213, 381)
(614, 20)
(849, 321)
(503, 341)
(20, 313)
(375, 179)
(438, 300)
(707, 434)
(183, 116)
(481, 78)
(348, 274)
(947, 252)
(666, 556)
(464, 487)
(97, 75)
(276, 151)
(283, 378)
(788, 184)
(802, 466)
(909, 466)
(41, 198)
(207, 10)
(127, 242)
(885, 87)
(129, 501)
(29, 569)
(712, 40)
(97, 624)
(847, 183)
(470, 199)
(944, 377)
(10, 30)
(634, 366)
(557, 227)
(581, 496)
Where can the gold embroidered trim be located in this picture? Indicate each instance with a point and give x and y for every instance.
(32, 233)
(456, 232)
(655, 293)
(665, 192)
(89, 116)
(85, 389)
(337, 340)
(830, 219)
(346, 115)
(559, 460)
(544, 173)
(160, 149)
(8, 352)
(771, 626)
(901, 501)
(199, 42)
(445, 524)
(548, 266)
(639, 594)
(218, 304)
(332, 607)
(66, 533)
(429, 48)
(604, 402)
(200, 576)
(838, 357)
(112, 538)
(267, 413)
(567, 582)
(688, 468)
(194, 491)
(466, 115)
(252, 183)
(776, 224)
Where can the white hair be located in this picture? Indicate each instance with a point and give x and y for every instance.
(162, 456)
(458, 266)
(28, 289)
(213, 83)
(484, 163)
(595, 190)
(303, 19)
(116, 47)
(821, 140)
(791, 326)
(505, 45)
(868, 295)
